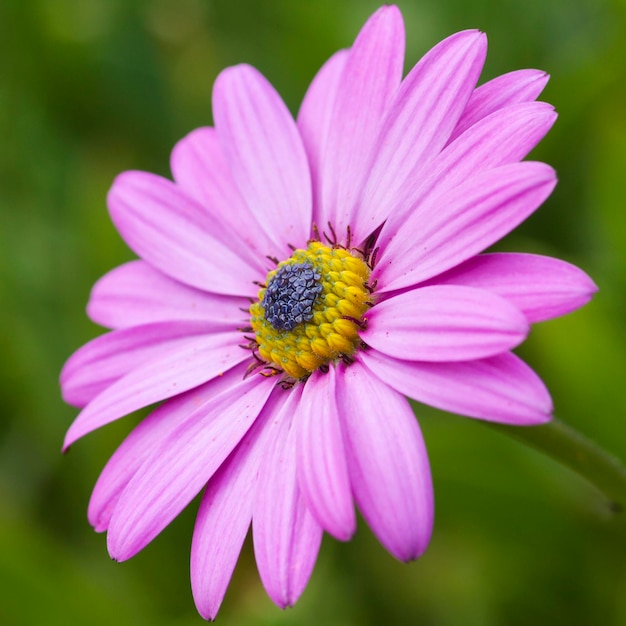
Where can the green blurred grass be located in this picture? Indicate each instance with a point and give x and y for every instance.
(89, 89)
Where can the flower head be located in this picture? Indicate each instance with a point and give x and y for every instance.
(296, 281)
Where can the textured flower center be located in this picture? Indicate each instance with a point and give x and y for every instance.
(310, 311)
(291, 294)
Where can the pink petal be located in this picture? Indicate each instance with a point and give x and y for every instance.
(450, 228)
(286, 536)
(135, 293)
(314, 118)
(502, 91)
(540, 286)
(143, 440)
(225, 514)
(322, 470)
(172, 232)
(444, 323)
(200, 168)
(102, 361)
(180, 369)
(265, 153)
(501, 388)
(372, 74)
(504, 137)
(387, 461)
(418, 124)
(180, 466)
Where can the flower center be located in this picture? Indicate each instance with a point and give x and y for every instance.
(310, 311)
(291, 294)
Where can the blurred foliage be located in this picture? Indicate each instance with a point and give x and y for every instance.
(89, 88)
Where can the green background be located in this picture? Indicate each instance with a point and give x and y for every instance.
(89, 88)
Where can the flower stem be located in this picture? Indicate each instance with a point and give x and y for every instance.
(573, 449)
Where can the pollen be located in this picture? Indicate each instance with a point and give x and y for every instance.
(310, 310)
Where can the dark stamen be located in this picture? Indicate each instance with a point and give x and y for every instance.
(269, 371)
(371, 261)
(362, 324)
(252, 367)
(332, 240)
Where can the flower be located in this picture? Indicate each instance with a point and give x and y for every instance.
(296, 282)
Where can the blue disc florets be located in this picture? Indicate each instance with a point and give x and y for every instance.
(291, 294)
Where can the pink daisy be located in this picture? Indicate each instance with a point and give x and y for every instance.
(296, 282)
